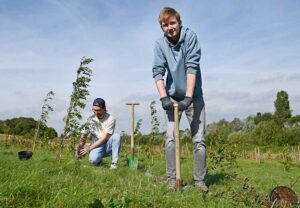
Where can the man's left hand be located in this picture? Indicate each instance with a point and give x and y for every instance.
(184, 104)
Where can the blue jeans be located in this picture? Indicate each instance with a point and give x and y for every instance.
(110, 148)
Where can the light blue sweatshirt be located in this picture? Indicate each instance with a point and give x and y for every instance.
(178, 60)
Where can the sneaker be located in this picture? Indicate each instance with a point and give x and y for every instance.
(201, 185)
(113, 166)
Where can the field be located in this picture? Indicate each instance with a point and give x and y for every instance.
(44, 182)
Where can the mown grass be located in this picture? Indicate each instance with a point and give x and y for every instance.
(44, 182)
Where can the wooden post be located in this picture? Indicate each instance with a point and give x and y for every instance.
(177, 147)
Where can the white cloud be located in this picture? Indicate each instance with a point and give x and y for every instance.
(293, 77)
(268, 78)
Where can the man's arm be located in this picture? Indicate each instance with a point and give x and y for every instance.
(166, 102)
(105, 136)
(193, 54)
(161, 88)
(159, 63)
(159, 69)
(190, 85)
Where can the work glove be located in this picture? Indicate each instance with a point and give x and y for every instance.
(167, 104)
(185, 103)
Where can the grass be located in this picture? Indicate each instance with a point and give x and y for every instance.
(43, 182)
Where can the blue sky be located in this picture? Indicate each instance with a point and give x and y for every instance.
(250, 51)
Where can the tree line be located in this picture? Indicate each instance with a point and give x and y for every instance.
(265, 129)
(276, 128)
(26, 127)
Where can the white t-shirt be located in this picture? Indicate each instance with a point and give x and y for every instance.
(95, 127)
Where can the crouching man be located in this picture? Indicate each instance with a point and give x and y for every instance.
(100, 128)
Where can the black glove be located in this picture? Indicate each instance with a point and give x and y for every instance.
(184, 104)
(167, 104)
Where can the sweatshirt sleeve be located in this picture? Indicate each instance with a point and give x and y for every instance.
(159, 63)
(193, 54)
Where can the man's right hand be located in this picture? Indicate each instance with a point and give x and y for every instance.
(167, 104)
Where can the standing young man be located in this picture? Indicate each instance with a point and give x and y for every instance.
(178, 53)
(100, 128)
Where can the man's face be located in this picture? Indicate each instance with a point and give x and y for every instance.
(171, 28)
(98, 111)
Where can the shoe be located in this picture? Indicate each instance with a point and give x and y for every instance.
(201, 185)
(113, 166)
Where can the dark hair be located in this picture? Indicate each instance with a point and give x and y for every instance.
(99, 102)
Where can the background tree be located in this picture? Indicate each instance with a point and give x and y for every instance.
(248, 124)
(25, 127)
(263, 117)
(266, 133)
(217, 132)
(295, 120)
(236, 124)
(282, 108)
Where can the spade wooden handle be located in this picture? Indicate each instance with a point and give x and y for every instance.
(177, 147)
(132, 103)
(132, 126)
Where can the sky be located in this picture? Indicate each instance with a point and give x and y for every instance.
(250, 51)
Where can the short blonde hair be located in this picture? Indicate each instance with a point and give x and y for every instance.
(166, 13)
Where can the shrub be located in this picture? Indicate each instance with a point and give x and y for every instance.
(265, 133)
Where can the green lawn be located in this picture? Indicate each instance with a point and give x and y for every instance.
(44, 182)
